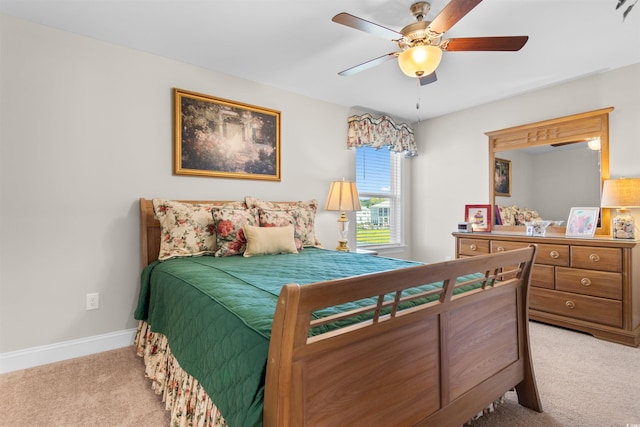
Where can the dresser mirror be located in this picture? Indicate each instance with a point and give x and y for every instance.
(550, 167)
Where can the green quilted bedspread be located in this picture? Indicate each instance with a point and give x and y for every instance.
(217, 313)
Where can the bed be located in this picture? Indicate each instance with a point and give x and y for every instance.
(353, 340)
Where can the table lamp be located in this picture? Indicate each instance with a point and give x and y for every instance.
(622, 194)
(343, 197)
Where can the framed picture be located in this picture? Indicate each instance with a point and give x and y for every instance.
(582, 222)
(502, 178)
(479, 216)
(216, 137)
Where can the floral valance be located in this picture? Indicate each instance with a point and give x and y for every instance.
(379, 133)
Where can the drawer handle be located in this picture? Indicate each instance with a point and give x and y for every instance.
(554, 254)
(585, 282)
(473, 246)
(499, 249)
(594, 257)
(570, 305)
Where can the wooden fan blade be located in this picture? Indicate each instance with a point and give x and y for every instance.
(431, 78)
(452, 13)
(369, 64)
(366, 26)
(511, 44)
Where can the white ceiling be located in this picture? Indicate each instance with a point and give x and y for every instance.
(294, 45)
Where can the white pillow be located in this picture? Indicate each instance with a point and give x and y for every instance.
(269, 240)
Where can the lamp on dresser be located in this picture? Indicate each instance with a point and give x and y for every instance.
(343, 197)
(622, 194)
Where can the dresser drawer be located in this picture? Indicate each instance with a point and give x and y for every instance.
(546, 254)
(473, 247)
(595, 258)
(504, 245)
(543, 276)
(583, 307)
(589, 282)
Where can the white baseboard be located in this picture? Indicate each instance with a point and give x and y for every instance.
(35, 356)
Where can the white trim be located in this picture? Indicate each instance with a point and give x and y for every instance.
(35, 356)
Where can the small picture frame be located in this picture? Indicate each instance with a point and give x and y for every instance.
(502, 178)
(582, 222)
(479, 216)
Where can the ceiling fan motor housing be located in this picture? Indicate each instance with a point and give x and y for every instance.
(418, 34)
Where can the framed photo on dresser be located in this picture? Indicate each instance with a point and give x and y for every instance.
(582, 222)
(479, 216)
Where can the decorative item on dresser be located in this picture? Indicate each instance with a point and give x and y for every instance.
(622, 194)
(587, 284)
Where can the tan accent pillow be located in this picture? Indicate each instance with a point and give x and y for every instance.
(269, 240)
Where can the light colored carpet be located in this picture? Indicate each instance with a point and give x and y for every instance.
(105, 389)
(582, 382)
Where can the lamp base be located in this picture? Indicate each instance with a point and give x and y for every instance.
(343, 246)
(623, 225)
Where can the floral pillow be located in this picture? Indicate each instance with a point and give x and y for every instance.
(304, 213)
(229, 223)
(277, 218)
(185, 229)
(514, 215)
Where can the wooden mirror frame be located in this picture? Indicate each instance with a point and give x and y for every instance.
(574, 128)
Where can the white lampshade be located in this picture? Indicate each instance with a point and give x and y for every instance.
(420, 61)
(343, 196)
(621, 193)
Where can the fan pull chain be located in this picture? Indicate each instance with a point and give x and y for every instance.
(418, 98)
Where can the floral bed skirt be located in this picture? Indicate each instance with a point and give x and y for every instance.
(183, 395)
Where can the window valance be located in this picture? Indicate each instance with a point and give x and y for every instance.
(379, 133)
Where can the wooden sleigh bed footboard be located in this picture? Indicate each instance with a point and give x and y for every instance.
(426, 364)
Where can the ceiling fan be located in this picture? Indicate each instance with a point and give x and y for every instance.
(421, 43)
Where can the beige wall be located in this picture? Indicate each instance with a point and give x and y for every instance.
(452, 169)
(86, 129)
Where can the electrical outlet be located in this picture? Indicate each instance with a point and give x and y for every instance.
(93, 301)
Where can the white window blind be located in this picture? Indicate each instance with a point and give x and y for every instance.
(378, 178)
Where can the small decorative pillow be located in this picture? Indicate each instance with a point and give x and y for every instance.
(269, 240)
(277, 218)
(228, 224)
(305, 212)
(185, 229)
(508, 214)
(527, 215)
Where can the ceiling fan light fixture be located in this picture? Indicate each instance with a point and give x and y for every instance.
(420, 60)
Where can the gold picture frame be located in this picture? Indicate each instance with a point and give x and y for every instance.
(216, 137)
(502, 178)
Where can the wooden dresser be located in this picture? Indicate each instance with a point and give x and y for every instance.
(590, 285)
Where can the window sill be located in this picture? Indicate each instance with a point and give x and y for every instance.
(383, 249)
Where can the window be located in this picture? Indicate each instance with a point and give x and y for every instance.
(378, 178)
